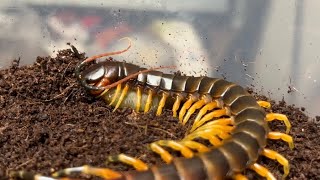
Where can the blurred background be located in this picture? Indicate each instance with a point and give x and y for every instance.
(271, 46)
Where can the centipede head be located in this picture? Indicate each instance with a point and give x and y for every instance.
(96, 77)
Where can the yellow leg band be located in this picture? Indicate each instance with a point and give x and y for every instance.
(264, 104)
(276, 156)
(115, 96)
(282, 136)
(176, 105)
(205, 109)
(100, 172)
(186, 152)
(165, 155)
(161, 103)
(192, 109)
(262, 171)
(239, 176)
(123, 94)
(210, 116)
(209, 127)
(281, 117)
(204, 135)
(184, 108)
(195, 145)
(136, 163)
(149, 101)
(222, 121)
(139, 97)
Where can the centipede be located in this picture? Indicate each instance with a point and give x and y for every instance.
(232, 122)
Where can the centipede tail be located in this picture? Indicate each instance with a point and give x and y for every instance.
(226, 115)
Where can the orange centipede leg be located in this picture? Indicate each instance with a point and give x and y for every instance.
(282, 136)
(28, 176)
(123, 94)
(162, 103)
(176, 105)
(276, 156)
(116, 94)
(210, 116)
(136, 163)
(280, 117)
(100, 172)
(149, 101)
(165, 155)
(264, 104)
(208, 107)
(185, 107)
(185, 151)
(209, 127)
(205, 135)
(192, 109)
(239, 176)
(262, 171)
(139, 97)
(221, 121)
(195, 145)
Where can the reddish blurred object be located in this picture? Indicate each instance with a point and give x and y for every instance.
(110, 34)
(90, 21)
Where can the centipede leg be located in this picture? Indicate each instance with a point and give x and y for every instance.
(122, 96)
(208, 107)
(210, 127)
(221, 121)
(280, 117)
(264, 104)
(239, 176)
(185, 151)
(115, 96)
(204, 135)
(28, 176)
(195, 145)
(185, 107)
(165, 155)
(136, 163)
(139, 98)
(210, 116)
(192, 109)
(285, 137)
(149, 101)
(176, 105)
(100, 172)
(276, 156)
(162, 103)
(262, 171)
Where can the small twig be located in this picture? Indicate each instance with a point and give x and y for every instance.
(65, 70)
(22, 164)
(146, 127)
(167, 132)
(138, 126)
(61, 94)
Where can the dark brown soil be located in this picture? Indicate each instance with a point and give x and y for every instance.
(48, 122)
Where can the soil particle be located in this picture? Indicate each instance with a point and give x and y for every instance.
(48, 122)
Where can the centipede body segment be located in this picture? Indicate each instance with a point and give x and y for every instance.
(226, 115)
